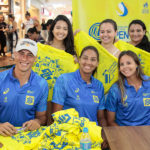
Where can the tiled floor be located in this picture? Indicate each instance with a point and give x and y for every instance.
(6, 62)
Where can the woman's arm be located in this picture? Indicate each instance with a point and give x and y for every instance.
(59, 96)
(111, 118)
(101, 115)
(52, 107)
(101, 118)
(56, 107)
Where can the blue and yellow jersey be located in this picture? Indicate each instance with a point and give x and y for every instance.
(71, 91)
(19, 104)
(135, 108)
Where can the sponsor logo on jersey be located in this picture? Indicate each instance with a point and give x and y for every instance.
(146, 101)
(95, 99)
(29, 100)
(6, 91)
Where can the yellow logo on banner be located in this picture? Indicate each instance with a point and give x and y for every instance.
(29, 100)
(146, 101)
(122, 11)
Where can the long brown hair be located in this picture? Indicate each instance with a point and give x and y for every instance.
(69, 40)
(121, 77)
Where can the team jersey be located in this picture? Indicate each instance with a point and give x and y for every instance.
(71, 91)
(135, 108)
(19, 104)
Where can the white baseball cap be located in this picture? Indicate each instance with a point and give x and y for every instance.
(27, 44)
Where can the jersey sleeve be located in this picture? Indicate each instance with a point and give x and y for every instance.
(102, 98)
(111, 100)
(42, 105)
(3, 75)
(59, 92)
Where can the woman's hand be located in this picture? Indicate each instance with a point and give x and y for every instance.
(76, 31)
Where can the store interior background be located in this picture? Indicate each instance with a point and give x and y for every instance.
(39, 9)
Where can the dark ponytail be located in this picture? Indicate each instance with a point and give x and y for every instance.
(144, 44)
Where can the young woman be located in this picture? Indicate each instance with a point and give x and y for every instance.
(137, 32)
(12, 33)
(60, 38)
(108, 32)
(80, 90)
(61, 34)
(128, 101)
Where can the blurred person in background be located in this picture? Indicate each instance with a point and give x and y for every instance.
(48, 26)
(37, 25)
(12, 34)
(44, 29)
(3, 27)
(29, 23)
(33, 34)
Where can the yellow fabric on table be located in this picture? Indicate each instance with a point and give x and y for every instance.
(107, 71)
(20, 140)
(64, 134)
(51, 63)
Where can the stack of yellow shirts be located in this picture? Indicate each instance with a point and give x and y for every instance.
(64, 133)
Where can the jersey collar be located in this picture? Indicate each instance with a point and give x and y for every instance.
(144, 82)
(13, 78)
(78, 76)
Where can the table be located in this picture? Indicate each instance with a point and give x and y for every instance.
(128, 137)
